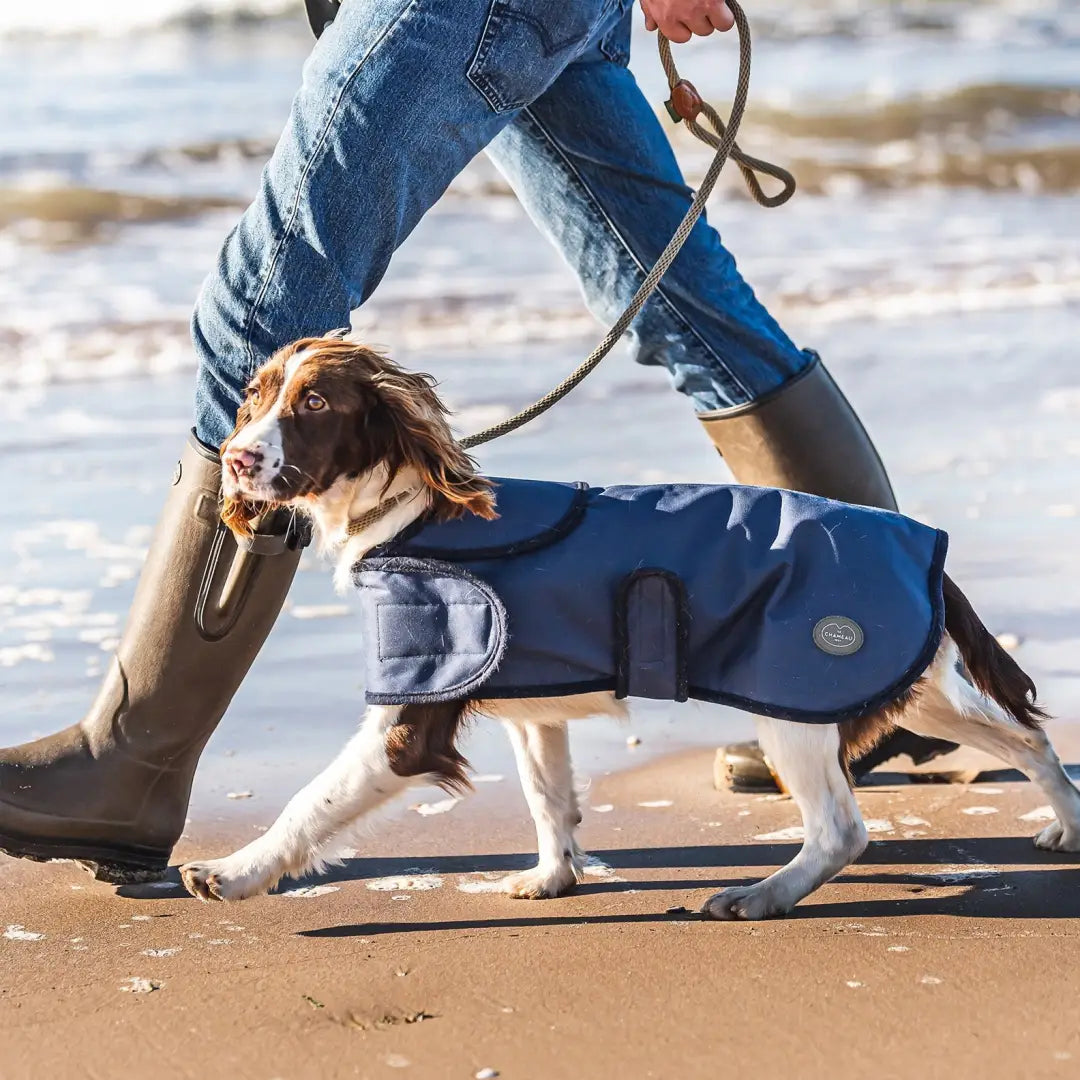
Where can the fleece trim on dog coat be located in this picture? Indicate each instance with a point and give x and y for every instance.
(771, 601)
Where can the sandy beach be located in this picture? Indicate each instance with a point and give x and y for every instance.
(950, 950)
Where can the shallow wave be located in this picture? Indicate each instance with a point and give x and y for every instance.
(1004, 20)
(1054, 170)
(59, 216)
(971, 110)
(108, 18)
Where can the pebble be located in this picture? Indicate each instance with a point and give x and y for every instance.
(302, 892)
(416, 882)
(979, 811)
(443, 806)
(17, 932)
(487, 1074)
(878, 825)
(138, 985)
(239, 795)
(632, 741)
(676, 911)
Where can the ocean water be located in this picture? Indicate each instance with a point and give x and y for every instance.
(932, 255)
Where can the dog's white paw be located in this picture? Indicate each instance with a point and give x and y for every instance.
(224, 879)
(540, 883)
(1058, 837)
(746, 902)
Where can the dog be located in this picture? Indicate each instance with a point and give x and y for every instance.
(363, 449)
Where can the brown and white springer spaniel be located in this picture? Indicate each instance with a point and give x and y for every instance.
(336, 431)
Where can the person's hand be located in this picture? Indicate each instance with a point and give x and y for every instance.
(679, 20)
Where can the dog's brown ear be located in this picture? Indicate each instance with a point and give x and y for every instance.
(424, 442)
(240, 515)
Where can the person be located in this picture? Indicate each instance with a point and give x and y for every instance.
(396, 98)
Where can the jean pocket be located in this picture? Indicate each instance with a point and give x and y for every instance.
(526, 43)
(615, 43)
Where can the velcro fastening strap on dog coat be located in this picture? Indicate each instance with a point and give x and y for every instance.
(651, 626)
(430, 626)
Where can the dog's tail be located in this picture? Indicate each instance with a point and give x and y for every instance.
(989, 666)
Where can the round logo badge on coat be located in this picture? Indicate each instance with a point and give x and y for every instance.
(838, 635)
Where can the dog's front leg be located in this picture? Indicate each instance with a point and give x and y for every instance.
(543, 760)
(358, 780)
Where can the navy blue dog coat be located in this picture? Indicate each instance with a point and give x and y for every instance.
(772, 601)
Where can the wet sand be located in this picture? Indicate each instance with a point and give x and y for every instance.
(951, 949)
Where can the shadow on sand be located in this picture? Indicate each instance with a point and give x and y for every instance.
(1029, 887)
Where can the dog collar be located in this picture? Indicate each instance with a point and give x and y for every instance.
(378, 512)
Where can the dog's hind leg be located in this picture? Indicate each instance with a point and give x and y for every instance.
(950, 708)
(806, 756)
(542, 751)
(359, 779)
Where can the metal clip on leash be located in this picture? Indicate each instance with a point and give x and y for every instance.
(685, 104)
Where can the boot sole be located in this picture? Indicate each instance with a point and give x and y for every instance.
(115, 866)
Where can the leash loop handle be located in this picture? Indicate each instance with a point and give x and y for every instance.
(687, 105)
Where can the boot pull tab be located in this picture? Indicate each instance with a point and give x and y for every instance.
(232, 566)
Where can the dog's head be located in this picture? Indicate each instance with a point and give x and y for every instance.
(322, 410)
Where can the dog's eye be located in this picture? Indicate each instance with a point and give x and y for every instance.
(252, 395)
(314, 402)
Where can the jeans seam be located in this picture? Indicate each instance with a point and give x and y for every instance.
(659, 294)
(316, 151)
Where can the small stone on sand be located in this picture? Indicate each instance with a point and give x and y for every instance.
(304, 892)
(979, 811)
(878, 825)
(239, 795)
(17, 932)
(426, 809)
(138, 985)
(632, 741)
(417, 883)
(487, 1074)
(792, 832)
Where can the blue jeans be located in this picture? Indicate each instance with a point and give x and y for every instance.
(396, 98)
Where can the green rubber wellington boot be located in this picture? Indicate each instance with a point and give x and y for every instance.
(112, 791)
(806, 437)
